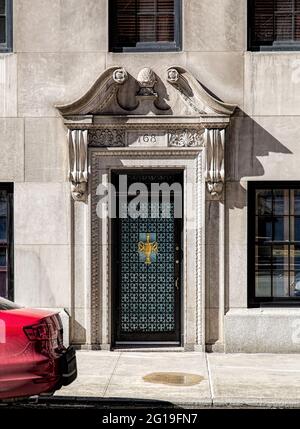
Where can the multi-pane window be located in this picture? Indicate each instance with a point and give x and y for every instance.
(5, 25)
(274, 24)
(6, 242)
(144, 25)
(274, 248)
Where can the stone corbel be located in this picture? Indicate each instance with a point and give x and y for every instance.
(215, 170)
(78, 158)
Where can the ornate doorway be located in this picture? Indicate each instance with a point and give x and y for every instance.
(160, 120)
(146, 263)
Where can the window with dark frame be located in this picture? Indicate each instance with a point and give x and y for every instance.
(274, 243)
(274, 25)
(144, 25)
(5, 25)
(6, 241)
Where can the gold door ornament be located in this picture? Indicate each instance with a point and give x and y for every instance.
(147, 248)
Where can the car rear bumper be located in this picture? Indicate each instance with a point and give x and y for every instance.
(68, 366)
(40, 376)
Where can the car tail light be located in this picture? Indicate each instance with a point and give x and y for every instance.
(60, 334)
(39, 332)
(45, 334)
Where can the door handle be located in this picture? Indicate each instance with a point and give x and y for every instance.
(177, 283)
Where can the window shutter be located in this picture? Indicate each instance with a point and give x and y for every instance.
(136, 22)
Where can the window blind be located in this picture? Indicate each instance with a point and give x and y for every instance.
(275, 22)
(139, 22)
(2, 21)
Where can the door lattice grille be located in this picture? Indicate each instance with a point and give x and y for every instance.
(147, 290)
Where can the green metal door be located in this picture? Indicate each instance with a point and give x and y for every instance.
(147, 267)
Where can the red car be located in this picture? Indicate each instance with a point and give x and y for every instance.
(33, 359)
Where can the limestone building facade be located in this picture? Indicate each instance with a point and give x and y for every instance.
(205, 93)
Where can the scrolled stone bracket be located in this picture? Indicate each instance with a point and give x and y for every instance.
(78, 158)
(215, 168)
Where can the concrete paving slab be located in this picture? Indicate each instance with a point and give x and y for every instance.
(86, 387)
(94, 372)
(229, 380)
(96, 363)
(255, 379)
(144, 363)
(127, 380)
(122, 376)
(169, 396)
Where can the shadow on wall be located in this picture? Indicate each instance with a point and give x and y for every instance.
(129, 99)
(246, 142)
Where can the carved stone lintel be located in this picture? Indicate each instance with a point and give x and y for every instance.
(107, 137)
(78, 175)
(212, 138)
(186, 138)
(215, 172)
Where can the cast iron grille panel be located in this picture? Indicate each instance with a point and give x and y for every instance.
(147, 290)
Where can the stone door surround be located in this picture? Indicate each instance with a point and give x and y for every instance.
(128, 122)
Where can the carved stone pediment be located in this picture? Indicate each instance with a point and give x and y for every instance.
(176, 93)
(172, 110)
(195, 96)
(104, 92)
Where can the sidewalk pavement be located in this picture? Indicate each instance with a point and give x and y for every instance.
(226, 380)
